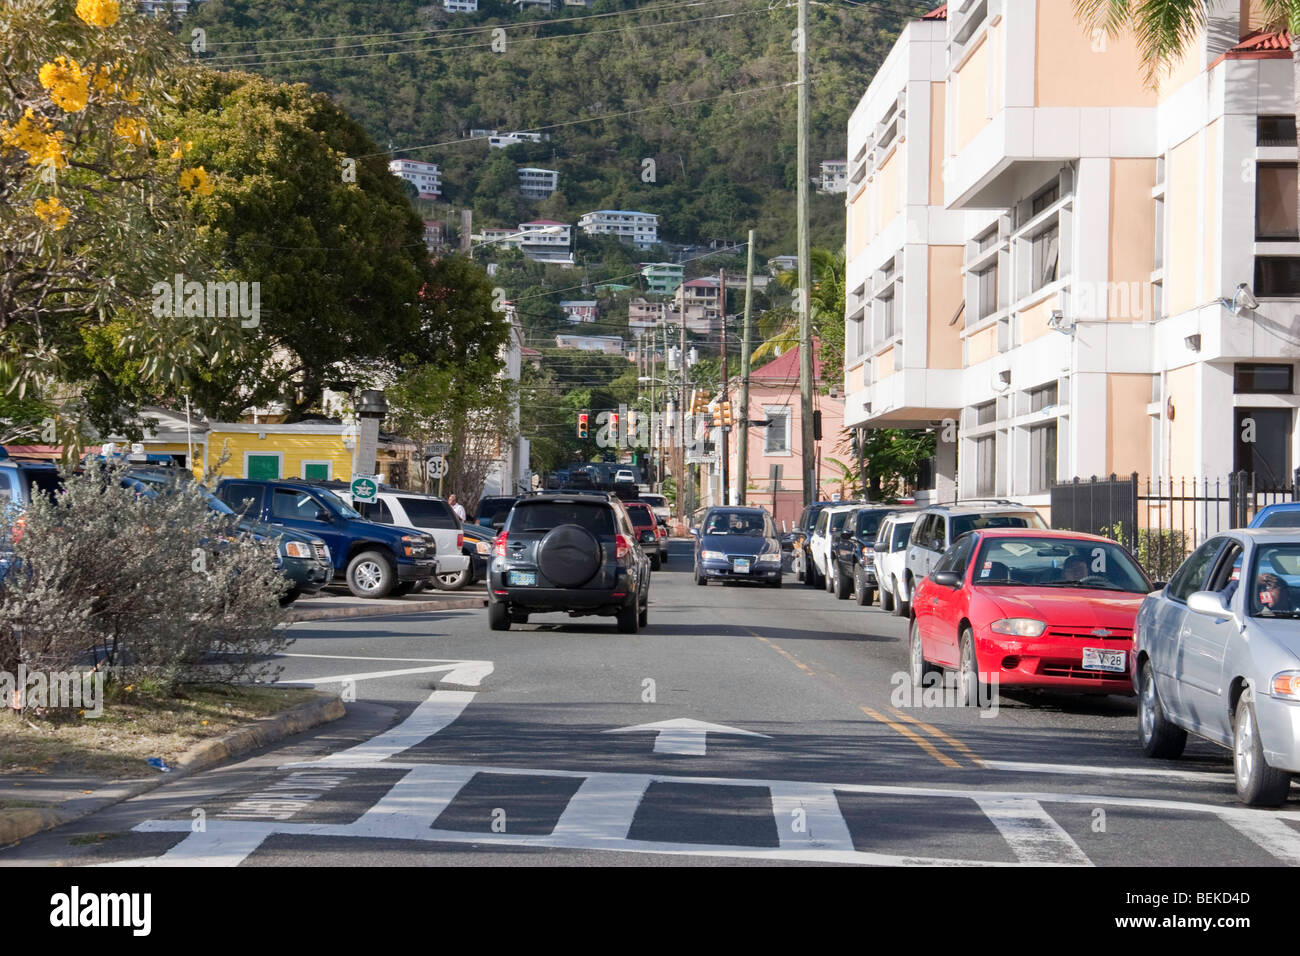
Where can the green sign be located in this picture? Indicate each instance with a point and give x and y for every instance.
(364, 489)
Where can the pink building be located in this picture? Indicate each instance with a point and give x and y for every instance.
(775, 452)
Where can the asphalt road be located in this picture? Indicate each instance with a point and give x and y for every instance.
(467, 746)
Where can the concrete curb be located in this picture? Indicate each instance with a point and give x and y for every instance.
(412, 607)
(21, 823)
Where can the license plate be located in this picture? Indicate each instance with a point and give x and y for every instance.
(525, 578)
(742, 565)
(1099, 659)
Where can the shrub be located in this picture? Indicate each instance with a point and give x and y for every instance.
(146, 585)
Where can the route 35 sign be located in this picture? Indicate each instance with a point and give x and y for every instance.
(437, 467)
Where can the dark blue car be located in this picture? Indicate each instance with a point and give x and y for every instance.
(737, 544)
(1284, 514)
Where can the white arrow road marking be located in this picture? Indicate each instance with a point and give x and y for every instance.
(1034, 836)
(436, 713)
(465, 673)
(221, 844)
(822, 824)
(684, 735)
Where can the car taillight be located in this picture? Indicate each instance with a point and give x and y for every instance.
(17, 533)
(460, 540)
(621, 547)
(500, 548)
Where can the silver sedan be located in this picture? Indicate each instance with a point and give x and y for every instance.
(1217, 654)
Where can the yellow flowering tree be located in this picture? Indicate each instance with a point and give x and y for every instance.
(94, 210)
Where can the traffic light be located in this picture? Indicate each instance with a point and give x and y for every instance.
(613, 424)
(726, 413)
(631, 421)
(582, 424)
(717, 415)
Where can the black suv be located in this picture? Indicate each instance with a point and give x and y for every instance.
(573, 553)
(852, 568)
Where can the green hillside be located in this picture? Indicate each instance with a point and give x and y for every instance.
(723, 163)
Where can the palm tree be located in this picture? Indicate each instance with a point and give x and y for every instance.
(1164, 29)
(780, 327)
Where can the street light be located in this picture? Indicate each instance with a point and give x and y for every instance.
(544, 231)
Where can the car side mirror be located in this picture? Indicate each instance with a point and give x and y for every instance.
(949, 579)
(1210, 603)
(1159, 585)
(695, 532)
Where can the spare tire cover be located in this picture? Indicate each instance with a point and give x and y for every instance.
(569, 556)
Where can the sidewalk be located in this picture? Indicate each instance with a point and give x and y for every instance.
(330, 603)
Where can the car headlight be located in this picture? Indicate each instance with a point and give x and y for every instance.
(713, 556)
(770, 557)
(1286, 684)
(1019, 626)
(297, 549)
(483, 547)
(413, 546)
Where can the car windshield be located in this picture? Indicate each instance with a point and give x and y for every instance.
(48, 482)
(158, 483)
(869, 523)
(338, 505)
(961, 524)
(1276, 576)
(642, 517)
(596, 517)
(902, 531)
(1285, 518)
(1058, 563)
(735, 522)
(837, 521)
(655, 501)
(429, 513)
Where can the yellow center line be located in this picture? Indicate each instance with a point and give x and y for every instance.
(917, 739)
(936, 732)
(786, 654)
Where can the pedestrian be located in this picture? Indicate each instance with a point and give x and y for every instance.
(456, 506)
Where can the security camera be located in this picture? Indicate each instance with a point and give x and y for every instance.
(1245, 297)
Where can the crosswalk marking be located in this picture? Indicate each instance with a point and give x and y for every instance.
(1271, 833)
(1102, 770)
(820, 825)
(437, 711)
(602, 809)
(1033, 835)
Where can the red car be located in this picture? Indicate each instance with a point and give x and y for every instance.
(1028, 608)
(650, 536)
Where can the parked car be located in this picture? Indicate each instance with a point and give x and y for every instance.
(428, 514)
(1217, 654)
(625, 476)
(303, 558)
(1028, 608)
(829, 525)
(890, 558)
(737, 544)
(1284, 514)
(492, 511)
(374, 560)
(659, 505)
(569, 553)
(851, 551)
(649, 534)
(478, 548)
(938, 526)
(799, 539)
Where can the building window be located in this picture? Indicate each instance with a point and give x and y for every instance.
(316, 470)
(1263, 446)
(1044, 257)
(262, 467)
(986, 413)
(1275, 202)
(1042, 457)
(1160, 234)
(1044, 397)
(988, 240)
(1275, 131)
(986, 466)
(988, 291)
(777, 439)
(887, 317)
(1277, 277)
(1044, 199)
(1258, 378)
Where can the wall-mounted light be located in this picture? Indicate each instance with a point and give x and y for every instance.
(1243, 298)
(1056, 320)
(261, 436)
(1193, 342)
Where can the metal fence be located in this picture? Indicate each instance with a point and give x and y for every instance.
(1162, 519)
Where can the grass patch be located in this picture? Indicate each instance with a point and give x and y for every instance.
(135, 725)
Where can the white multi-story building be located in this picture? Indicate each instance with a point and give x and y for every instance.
(426, 177)
(498, 140)
(834, 177)
(155, 8)
(609, 344)
(547, 241)
(639, 228)
(540, 4)
(579, 310)
(1046, 256)
(460, 6)
(537, 183)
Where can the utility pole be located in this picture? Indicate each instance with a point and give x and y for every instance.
(681, 432)
(742, 448)
(722, 309)
(807, 448)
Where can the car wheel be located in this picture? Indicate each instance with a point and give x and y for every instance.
(774, 584)
(1258, 784)
(644, 617)
(655, 563)
(453, 580)
(289, 598)
(898, 604)
(1159, 737)
(498, 616)
(861, 593)
(970, 689)
(918, 668)
(842, 585)
(887, 598)
(402, 588)
(798, 572)
(371, 575)
(700, 579)
(810, 575)
(628, 618)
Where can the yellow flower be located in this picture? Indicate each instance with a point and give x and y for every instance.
(52, 212)
(98, 13)
(132, 130)
(35, 136)
(68, 84)
(196, 180)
